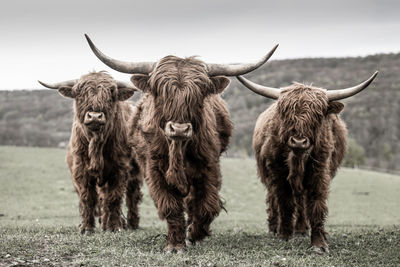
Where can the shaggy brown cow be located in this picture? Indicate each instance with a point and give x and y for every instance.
(183, 126)
(299, 143)
(98, 153)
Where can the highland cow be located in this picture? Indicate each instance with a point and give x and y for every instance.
(179, 131)
(98, 153)
(299, 143)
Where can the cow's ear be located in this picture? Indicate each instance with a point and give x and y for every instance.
(140, 81)
(220, 83)
(125, 93)
(335, 107)
(66, 91)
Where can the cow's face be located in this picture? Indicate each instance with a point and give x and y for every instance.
(178, 88)
(96, 95)
(302, 111)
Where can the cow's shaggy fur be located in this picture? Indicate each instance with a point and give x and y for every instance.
(298, 180)
(182, 175)
(100, 160)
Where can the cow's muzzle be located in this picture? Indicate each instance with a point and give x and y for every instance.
(94, 120)
(178, 131)
(299, 143)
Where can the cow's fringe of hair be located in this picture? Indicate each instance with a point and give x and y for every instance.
(175, 174)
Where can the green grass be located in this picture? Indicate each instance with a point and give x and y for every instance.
(39, 221)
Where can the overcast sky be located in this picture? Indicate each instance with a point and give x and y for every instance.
(43, 39)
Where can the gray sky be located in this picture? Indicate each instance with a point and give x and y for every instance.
(43, 39)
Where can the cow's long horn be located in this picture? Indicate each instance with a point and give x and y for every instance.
(347, 92)
(237, 69)
(69, 83)
(269, 92)
(121, 84)
(122, 66)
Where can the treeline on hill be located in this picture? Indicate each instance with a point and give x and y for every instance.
(43, 117)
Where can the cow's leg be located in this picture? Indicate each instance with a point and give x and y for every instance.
(301, 226)
(112, 193)
(272, 210)
(189, 205)
(317, 210)
(204, 204)
(268, 174)
(286, 207)
(87, 203)
(170, 207)
(133, 198)
(85, 186)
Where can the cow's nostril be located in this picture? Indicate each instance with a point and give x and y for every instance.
(291, 140)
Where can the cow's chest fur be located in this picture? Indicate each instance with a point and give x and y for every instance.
(297, 169)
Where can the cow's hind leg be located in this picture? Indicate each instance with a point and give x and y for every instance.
(204, 205)
(133, 198)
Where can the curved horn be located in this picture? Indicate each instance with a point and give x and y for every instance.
(238, 69)
(269, 92)
(121, 66)
(69, 83)
(347, 92)
(121, 84)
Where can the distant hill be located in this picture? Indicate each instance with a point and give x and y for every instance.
(43, 117)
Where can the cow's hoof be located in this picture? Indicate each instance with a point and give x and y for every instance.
(170, 249)
(114, 229)
(301, 233)
(271, 234)
(285, 237)
(87, 231)
(191, 243)
(320, 250)
(132, 227)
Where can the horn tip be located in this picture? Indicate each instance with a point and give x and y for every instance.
(47, 85)
(91, 44)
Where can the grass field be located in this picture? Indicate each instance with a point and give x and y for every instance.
(39, 221)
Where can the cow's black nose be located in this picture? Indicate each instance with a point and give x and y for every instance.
(301, 143)
(178, 130)
(94, 117)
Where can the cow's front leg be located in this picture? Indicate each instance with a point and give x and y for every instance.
(170, 208)
(87, 203)
(301, 226)
(203, 204)
(317, 210)
(272, 210)
(112, 193)
(286, 208)
(169, 204)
